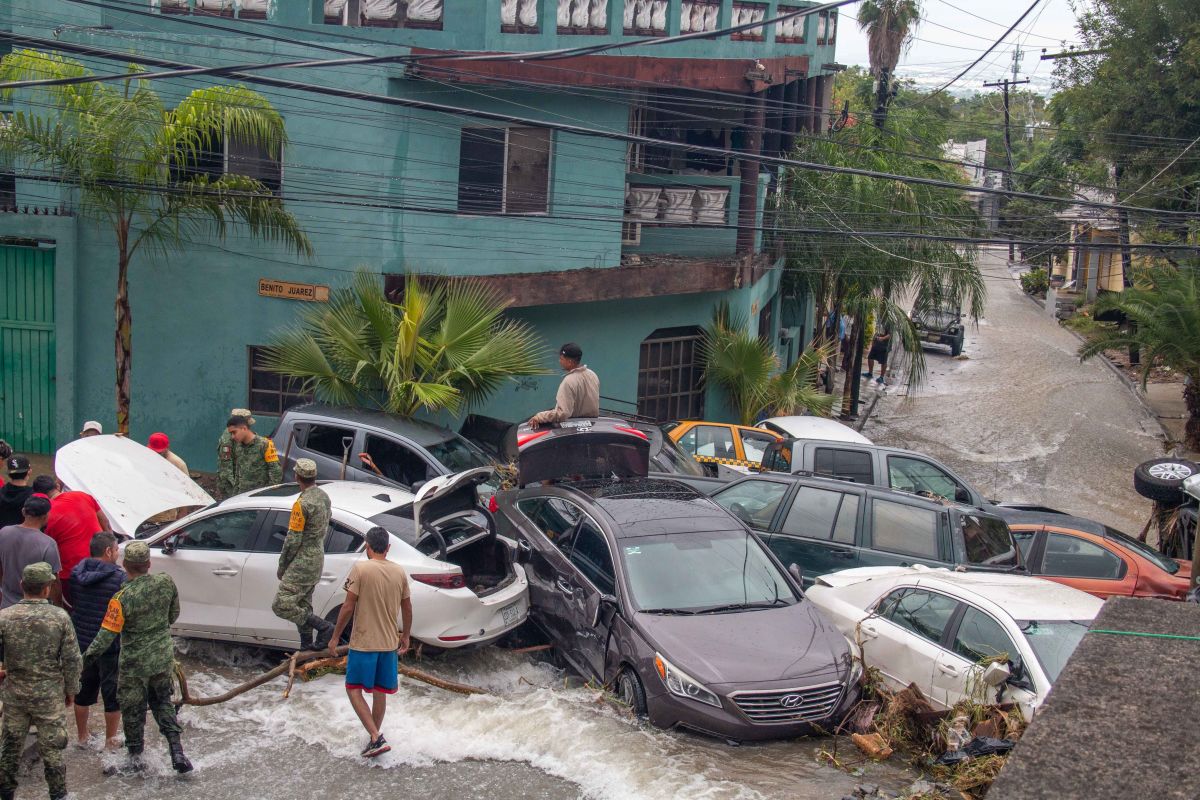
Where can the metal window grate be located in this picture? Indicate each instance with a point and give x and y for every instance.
(670, 372)
(269, 392)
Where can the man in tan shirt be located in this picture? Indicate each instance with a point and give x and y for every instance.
(376, 597)
(579, 392)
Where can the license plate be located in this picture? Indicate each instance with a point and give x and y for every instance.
(510, 614)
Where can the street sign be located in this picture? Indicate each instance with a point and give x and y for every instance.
(308, 292)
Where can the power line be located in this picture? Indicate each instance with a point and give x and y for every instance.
(994, 45)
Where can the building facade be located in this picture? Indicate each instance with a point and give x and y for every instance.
(624, 247)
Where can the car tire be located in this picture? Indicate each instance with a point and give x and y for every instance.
(1161, 479)
(956, 347)
(631, 692)
(332, 617)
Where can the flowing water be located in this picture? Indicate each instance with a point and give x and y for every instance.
(537, 735)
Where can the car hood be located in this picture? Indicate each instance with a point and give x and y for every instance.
(751, 646)
(131, 483)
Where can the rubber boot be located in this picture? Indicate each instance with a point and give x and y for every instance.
(323, 629)
(179, 762)
(306, 637)
(133, 764)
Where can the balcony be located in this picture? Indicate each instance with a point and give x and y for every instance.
(683, 215)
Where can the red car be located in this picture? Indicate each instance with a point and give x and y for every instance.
(1095, 558)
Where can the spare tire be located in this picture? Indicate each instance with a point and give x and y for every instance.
(1161, 479)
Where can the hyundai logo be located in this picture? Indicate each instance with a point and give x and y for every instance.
(791, 700)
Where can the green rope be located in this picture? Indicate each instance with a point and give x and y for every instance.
(1148, 635)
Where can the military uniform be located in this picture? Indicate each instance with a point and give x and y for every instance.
(141, 613)
(302, 558)
(41, 659)
(225, 466)
(255, 465)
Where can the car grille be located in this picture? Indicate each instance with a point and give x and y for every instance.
(789, 705)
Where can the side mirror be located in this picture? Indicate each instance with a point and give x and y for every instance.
(524, 552)
(606, 609)
(794, 571)
(169, 546)
(996, 673)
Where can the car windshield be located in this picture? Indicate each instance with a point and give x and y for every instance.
(702, 572)
(1144, 550)
(1053, 642)
(936, 317)
(988, 541)
(676, 460)
(457, 455)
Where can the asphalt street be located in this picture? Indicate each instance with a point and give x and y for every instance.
(1019, 416)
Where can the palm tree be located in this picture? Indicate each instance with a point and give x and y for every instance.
(134, 163)
(1163, 306)
(889, 25)
(747, 368)
(443, 347)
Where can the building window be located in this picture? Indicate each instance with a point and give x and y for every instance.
(504, 171)
(670, 373)
(270, 392)
(8, 190)
(791, 30)
(230, 155)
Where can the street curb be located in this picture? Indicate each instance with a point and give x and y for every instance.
(1113, 368)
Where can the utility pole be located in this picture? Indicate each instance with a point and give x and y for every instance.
(1006, 84)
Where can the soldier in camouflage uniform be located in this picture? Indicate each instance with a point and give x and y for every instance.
(225, 456)
(301, 559)
(255, 461)
(141, 613)
(39, 680)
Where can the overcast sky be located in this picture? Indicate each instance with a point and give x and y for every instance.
(953, 33)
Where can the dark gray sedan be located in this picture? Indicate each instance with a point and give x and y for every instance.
(647, 585)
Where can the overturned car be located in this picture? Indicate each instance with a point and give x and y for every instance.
(647, 585)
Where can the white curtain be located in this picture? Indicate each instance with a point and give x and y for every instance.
(425, 10)
(643, 202)
(379, 9)
(711, 206)
(527, 12)
(679, 205)
(599, 14)
(564, 13)
(658, 16)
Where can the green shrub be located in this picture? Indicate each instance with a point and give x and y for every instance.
(1035, 281)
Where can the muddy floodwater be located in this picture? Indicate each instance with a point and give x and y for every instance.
(537, 736)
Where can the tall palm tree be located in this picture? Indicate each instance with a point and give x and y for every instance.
(443, 347)
(1164, 307)
(134, 163)
(889, 25)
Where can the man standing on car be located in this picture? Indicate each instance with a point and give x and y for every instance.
(141, 613)
(39, 680)
(93, 583)
(226, 465)
(25, 544)
(579, 392)
(255, 462)
(376, 595)
(301, 559)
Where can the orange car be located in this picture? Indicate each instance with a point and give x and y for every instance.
(715, 443)
(1095, 558)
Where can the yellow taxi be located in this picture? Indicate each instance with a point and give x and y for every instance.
(714, 443)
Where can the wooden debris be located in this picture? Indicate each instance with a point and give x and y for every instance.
(536, 648)
(872, 745)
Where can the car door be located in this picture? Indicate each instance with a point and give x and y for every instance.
(1086, 565)
(327, 444)
(921, 476)
(754, 445)
(548, 524)
(206, 559)
(256, 621)
(818, 532)
(978, 639)
(903, 533)
(592, 579)
(903, 638)
(710, 445)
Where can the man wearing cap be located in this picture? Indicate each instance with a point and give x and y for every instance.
(25, 544)
(159, 443)
(579, 392)
(226, 456)
(39, 680)
(14, 493)
(302, 558)
(141, 613)
(255, 460)
(91, 428)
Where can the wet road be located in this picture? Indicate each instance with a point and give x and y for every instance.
(1022, 419)
(535, 737)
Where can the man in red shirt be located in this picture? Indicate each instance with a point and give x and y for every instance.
(75, 517)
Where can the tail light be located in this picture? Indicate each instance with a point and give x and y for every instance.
(442, 580)
(493, 506)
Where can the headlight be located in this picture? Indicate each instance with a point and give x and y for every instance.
(681, 684)
(856, 665)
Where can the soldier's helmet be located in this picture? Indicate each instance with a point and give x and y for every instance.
(137, 553)
(306, 468)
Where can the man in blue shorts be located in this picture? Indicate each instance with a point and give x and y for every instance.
(376, 597)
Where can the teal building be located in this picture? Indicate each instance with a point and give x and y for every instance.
(624, 247)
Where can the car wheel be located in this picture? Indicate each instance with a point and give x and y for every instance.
(1161, 479)
(631, 692)
(332, 617)
(956, 346)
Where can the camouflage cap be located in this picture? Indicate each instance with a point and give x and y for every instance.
(137, 553)
(306, 468)
(242, 412)
(39, 573)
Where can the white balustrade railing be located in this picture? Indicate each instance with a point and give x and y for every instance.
(583, 16)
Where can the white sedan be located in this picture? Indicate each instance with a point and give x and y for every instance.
(959, 635)
(466, 588)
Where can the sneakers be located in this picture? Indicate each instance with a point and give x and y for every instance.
(376, 748)
(879, 380)
(866, 374)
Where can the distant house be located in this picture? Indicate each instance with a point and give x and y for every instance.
(1093, 263)
(972, 159)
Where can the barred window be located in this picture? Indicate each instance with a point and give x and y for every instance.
(669, 375)
(270, 392)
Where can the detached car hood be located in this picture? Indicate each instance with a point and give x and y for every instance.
(131, 483)
(750, 646)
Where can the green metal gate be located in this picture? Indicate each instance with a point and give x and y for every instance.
(27, 348)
